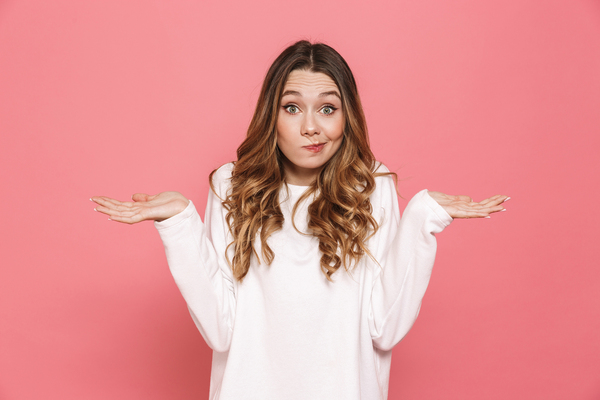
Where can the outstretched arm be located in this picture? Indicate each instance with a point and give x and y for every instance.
(407, 255)
(195, 253)
(143, 207)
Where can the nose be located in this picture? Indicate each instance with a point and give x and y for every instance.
(310, 126)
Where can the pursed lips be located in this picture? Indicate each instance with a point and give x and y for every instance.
(315, 147)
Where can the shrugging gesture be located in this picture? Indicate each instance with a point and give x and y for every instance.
(290, 314)
(143, 207)
(167, 204)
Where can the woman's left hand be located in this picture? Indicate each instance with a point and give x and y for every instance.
(465, 207)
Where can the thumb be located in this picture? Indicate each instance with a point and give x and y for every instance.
(140, 197)
(465, 198)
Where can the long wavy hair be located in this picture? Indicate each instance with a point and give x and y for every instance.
(340, 214)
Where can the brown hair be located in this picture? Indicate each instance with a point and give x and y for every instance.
(340, 215)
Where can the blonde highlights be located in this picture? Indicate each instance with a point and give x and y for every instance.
(340, 215)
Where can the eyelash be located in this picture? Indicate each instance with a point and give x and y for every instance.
(332, 109)
(287, 107)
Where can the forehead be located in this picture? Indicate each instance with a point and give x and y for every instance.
(304, 81)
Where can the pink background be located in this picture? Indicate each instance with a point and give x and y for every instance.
(466, 97)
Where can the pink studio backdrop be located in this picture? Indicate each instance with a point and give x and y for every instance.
(466, 97)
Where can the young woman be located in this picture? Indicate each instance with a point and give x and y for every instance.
(302, 277)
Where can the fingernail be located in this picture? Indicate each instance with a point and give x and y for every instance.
(95, 209)
(507, 199)
(91, 200)
(110, 219)
(503, 210)
(487, 217)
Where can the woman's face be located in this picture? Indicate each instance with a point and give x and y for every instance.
(310, 125)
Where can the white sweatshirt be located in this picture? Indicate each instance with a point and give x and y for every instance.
(286, 332)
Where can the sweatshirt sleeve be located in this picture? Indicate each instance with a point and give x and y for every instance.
(405, 250)
(196, 257)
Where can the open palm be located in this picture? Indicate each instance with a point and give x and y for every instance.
(143, 207)
(465, 207)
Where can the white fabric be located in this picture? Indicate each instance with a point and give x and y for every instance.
(286, 332)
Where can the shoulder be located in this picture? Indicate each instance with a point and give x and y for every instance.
(223, 173)
(385, 186)
(220, 179)
(380, 168)
(384, 199)
(384, 178)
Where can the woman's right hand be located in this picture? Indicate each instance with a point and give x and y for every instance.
(143, 207)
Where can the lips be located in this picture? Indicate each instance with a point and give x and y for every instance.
(315, 148)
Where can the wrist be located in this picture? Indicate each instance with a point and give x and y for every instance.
(175, 207)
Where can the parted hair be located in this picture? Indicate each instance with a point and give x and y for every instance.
(340, 215)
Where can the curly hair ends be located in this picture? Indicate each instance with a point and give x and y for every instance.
(340, 214)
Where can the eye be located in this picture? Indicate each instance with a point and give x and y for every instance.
(292, 109)
(328, 110)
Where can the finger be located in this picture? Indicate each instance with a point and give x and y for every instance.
(475, 211)
(474, 206)
(126, 214)
(491, 210)
(480, 214)
(490, 207)
(471, 214)
(484, 208)
(120, 207)
(105, 210)
(126, 219)
(497, 199)
(104, 206)
(494, 199)
(112, 209)
(107, 201)
(121, 216)
(117, 205)
(101, 199)
(464, 198)
(497, 209)
(140, 197)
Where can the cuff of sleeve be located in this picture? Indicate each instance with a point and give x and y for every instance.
(177, 218)
(439, 211)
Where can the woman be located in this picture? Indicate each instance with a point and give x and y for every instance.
(302, 277)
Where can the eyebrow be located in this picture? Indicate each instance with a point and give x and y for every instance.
(324, 94)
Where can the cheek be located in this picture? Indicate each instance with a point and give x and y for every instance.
(278, 126)
(284, 127)
(336, 130)
(279, 131)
